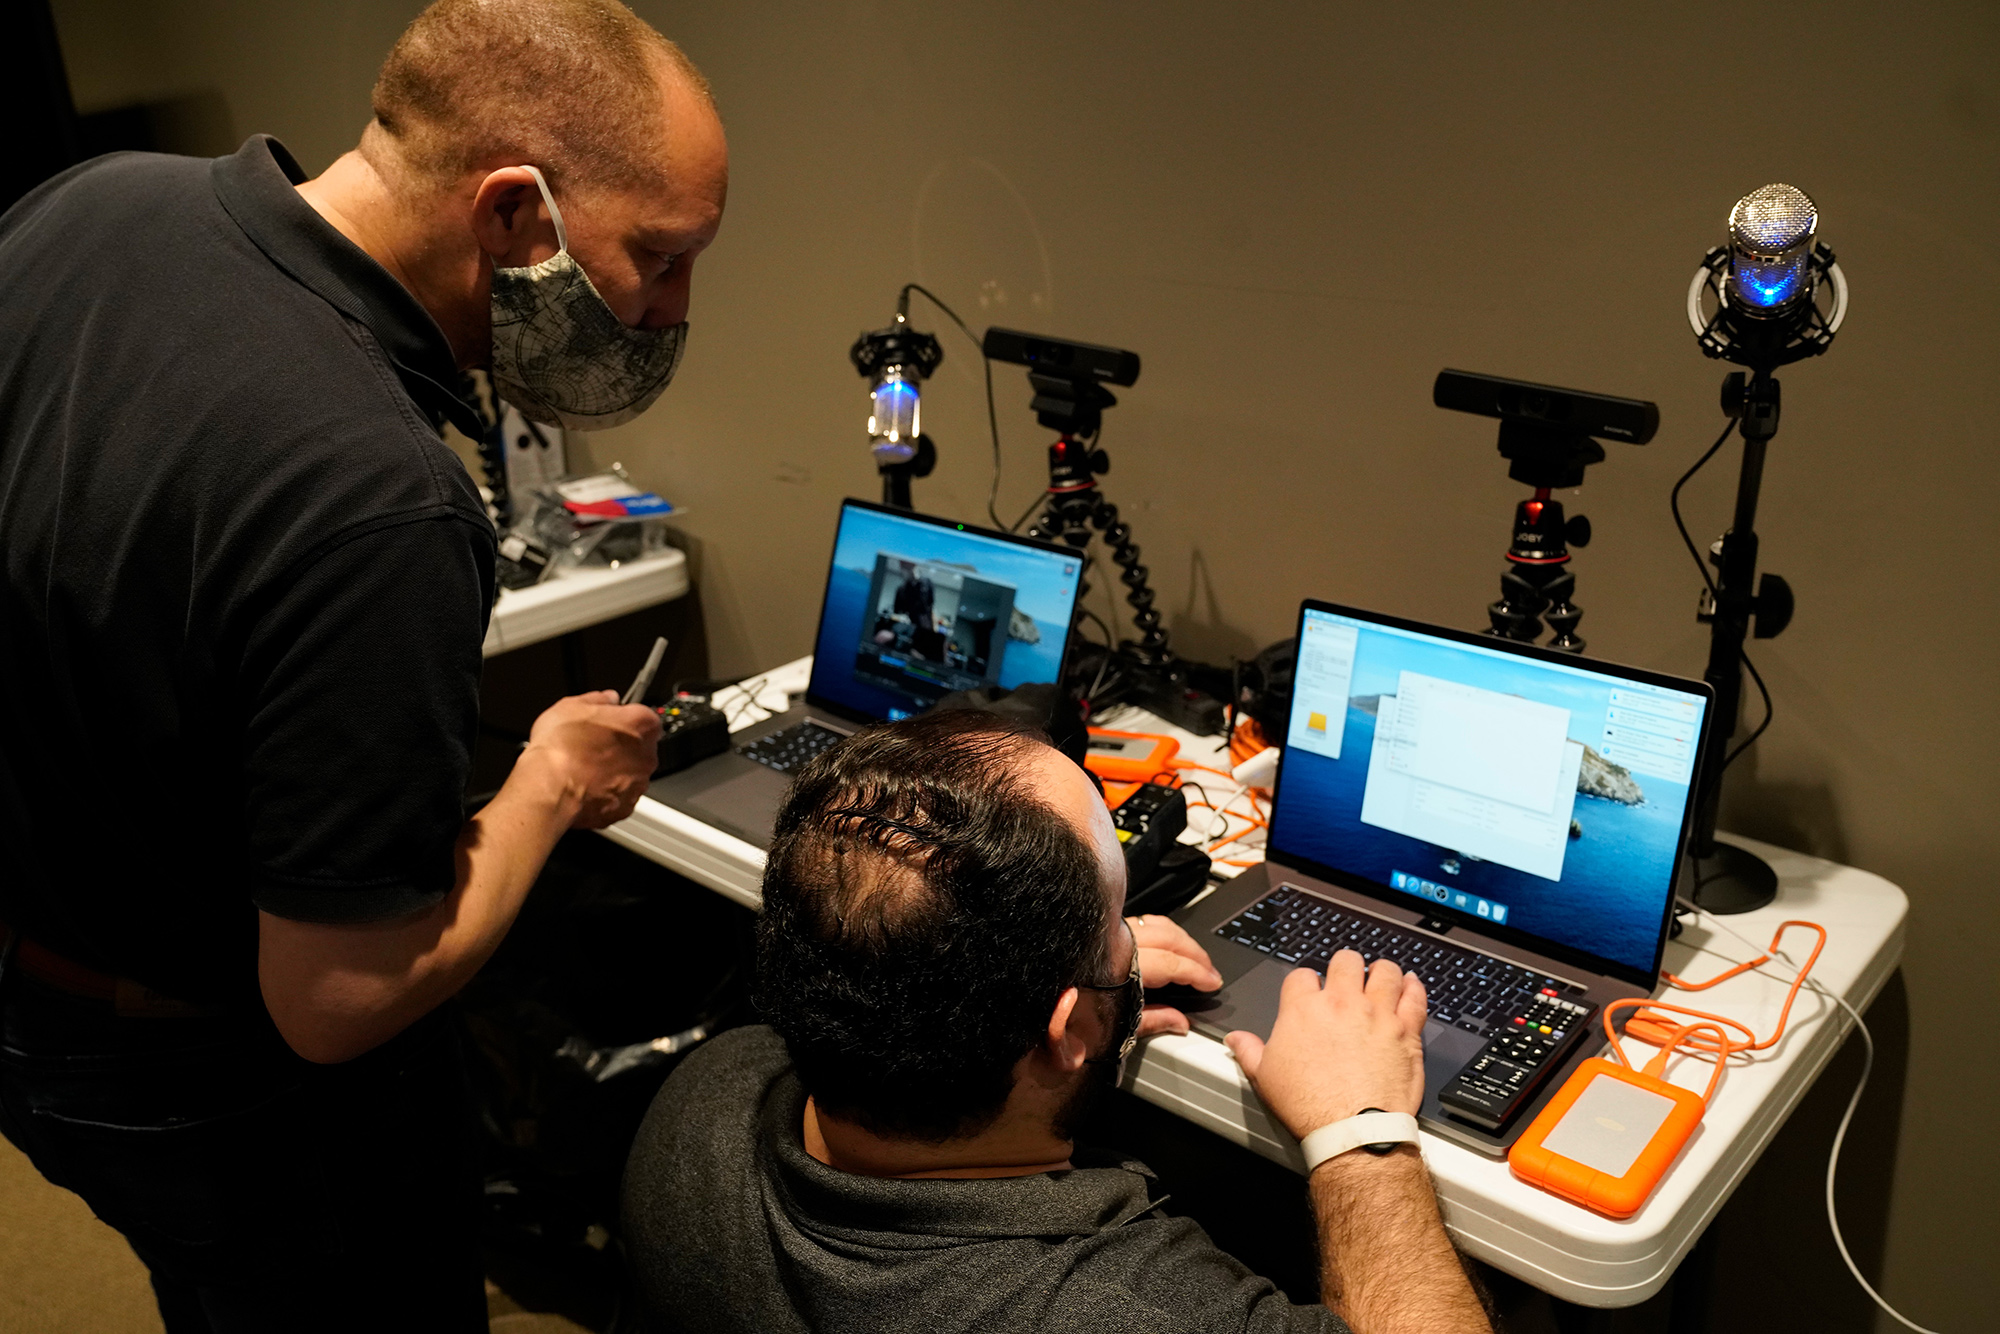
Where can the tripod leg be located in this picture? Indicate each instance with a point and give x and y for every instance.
(1517, 615)
(1152, 643)
(1562, 614)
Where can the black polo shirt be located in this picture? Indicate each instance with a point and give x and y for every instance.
(245, 583)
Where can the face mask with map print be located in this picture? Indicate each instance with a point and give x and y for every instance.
(559, 353)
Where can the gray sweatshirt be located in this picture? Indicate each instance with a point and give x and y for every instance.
(733, 1226)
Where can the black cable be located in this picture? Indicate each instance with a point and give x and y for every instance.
(1674, 504)
(1109, 638)
(992, 416)
(1751, 740)
(1015, 526)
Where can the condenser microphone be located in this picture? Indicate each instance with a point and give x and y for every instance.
(1771, 233)
(1774, 294)
(896, 361)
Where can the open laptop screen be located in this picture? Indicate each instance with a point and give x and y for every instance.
(1542, 797)
(918, 607)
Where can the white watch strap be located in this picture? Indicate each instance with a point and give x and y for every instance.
(1367, 1128)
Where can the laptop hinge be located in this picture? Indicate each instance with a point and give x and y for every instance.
(1437, 926)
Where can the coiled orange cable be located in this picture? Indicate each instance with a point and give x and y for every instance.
(1650, 1025)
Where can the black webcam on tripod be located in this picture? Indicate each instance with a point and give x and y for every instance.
(1569, 411)
(1063, 360)
(1548, 437)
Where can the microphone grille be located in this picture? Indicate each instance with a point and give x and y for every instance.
(1772, 220)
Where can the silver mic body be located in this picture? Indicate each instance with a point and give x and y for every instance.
(1771, 235)
(1774, 294)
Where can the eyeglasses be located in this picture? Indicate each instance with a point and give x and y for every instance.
(1134, 987)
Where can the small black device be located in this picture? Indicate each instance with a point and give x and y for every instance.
(1262, 687)
(690, 730)
(1774, 295)
(1148, 821)
(1181, 874)
(1548, 436)
(1061, 360)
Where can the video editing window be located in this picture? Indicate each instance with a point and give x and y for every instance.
(916, 609)
(1538, 796)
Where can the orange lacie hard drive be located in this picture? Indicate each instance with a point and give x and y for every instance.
(1607, 1138)
(1129, 757)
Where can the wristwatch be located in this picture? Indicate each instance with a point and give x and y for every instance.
(1372, 1129)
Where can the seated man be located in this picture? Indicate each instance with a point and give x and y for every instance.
(943, 958)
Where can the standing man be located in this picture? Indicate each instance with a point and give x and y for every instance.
(243, 587)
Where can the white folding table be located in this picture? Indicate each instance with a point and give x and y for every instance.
(583, 597)
(1556, 1246)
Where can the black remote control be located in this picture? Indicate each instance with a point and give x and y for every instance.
(690, 730)
(1516, 1059)
(1149, 821)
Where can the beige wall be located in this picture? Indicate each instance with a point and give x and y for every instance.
(1298, 214)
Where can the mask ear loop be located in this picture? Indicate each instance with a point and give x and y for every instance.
(555, 214)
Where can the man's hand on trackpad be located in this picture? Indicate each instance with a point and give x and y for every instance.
(1336, 1049)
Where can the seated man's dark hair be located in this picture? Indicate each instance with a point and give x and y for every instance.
(923, 910)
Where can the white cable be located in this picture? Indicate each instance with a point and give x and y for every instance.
(733, 710)
(1218, 822)
(1840, 1135)
(1255, 772)
(1218, 814)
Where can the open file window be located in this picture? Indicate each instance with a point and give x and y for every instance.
(1479, 772)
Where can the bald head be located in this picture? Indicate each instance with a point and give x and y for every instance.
(581, 88)
(934, 887)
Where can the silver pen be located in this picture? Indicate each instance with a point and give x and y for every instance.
(644, 679)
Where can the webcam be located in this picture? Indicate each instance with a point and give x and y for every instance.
(1060, 360)
(1562, 411)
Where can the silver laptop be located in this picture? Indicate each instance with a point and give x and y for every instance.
(915, 608)
(1504, 820)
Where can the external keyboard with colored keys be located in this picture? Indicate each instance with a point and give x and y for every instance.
(1465, 987)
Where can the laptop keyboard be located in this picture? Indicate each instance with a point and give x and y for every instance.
(788, 749)
(1464, 987)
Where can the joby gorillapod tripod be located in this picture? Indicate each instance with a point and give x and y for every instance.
(1075, 409)
(1538, 583)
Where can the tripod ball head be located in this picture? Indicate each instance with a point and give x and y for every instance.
(1548, 437)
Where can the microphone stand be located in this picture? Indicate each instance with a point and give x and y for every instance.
(896, 476)
(1735, 606)
(1728, 879)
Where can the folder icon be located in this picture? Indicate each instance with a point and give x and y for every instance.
(1315, 722)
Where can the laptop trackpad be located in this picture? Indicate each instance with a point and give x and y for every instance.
(746, 805)
(1446, 1050)
(1251, 1003)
